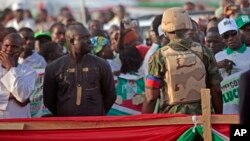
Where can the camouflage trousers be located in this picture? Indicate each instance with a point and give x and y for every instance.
(189, 108)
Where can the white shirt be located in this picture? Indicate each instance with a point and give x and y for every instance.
(19, 81)
(242, 63)
(150, 52)
(241, 60)
(24, 23)
(35, 61)
(115, 63)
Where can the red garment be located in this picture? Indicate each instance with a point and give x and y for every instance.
(132, 133)
(143, 50)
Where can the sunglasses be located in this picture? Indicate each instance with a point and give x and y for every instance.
(231, 34)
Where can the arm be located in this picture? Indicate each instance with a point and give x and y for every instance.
(217, 99)
(20, 82)
(213, 80)
(244, 98)
(107, 87)
(226, 64)
(153, 82)
(50, 90)
(152, 93)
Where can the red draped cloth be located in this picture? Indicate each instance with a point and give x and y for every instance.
(134, 133)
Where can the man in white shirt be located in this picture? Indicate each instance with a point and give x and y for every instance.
(37, 62)
(232, 62)
(235, 57)
(17, 81)
(29, 56)
(18, 22)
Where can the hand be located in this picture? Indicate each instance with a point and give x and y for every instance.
(226, 64)
(7, 61)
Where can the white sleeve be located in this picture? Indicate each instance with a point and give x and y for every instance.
(4, 99)
(20, 81)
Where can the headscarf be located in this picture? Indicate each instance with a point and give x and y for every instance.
(98, 43)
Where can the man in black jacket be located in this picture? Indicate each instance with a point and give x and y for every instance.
(244, 93)
(78, 84)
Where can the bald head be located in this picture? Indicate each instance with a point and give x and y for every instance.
(78, 40)
(12, 45)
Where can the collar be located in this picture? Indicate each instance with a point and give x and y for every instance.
(178, 43)
(241, 50)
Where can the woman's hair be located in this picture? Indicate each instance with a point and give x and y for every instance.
(156, 23)
(131, 59)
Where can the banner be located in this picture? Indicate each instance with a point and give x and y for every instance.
(229, 87)
(130, 95)
(37, 107)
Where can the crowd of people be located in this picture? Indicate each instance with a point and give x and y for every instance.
(61, 67)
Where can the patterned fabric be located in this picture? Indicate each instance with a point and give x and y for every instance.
(157, 64)
(158, 69)
(188, 108)
(185, 75)
(98, 43)
(130, 94)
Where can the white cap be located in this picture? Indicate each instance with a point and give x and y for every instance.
(17, 6)
(160, 32)
(227, 25)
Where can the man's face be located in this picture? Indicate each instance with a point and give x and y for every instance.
(95, 25)
(29, 40)
(193, 33)
(114, 40)
(153, 35)
(106, 52)
(214, 42)
(232, 39)
(81, 43)
(19, 14)
(68, 19)
(245, 34)
(12, 47)
(56, 53)
(58, 35)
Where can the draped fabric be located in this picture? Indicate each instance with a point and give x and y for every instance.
(132, 133)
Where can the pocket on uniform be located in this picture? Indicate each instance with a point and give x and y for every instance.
(91, 79)
(65, 79)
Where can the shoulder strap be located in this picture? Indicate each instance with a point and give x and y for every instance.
(201, 58)
(192, 51)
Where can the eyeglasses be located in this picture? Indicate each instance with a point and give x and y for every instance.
(230, 34)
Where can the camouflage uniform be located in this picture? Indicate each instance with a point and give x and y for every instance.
(158, 69)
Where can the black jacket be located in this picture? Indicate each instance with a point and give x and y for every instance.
(244, 93)
(94, 77)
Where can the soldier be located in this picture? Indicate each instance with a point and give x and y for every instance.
(180, 70)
